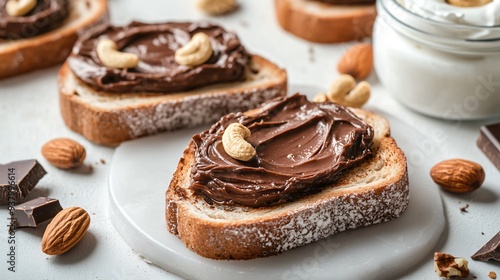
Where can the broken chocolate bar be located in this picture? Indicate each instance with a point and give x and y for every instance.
(18, 178)
(36, 211)
(490, 250)
(489, 142)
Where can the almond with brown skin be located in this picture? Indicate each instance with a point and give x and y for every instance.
(64, 231)
(458, 175)
(357, 61)
(64, 153)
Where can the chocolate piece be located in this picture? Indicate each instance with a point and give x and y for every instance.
(24, 174)
(36, 211)
(490, 250)
(44, 17)
(489, 142)
(301, 147)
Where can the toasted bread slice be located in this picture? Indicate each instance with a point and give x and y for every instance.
(51, 48)
(111, 118)
(373, 192)
(325, 23)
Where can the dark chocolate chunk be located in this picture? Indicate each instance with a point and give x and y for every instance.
(489, 142)
(36, 211)
(18, 178)
(490, 250)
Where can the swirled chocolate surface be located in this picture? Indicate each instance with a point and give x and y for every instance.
(155, 44)
(301, 148)
(44, 17)
(347, 2)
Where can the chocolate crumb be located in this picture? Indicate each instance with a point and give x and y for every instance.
(102, 161)
(464, 208)
(474, 277)
(482, 233)
(492, 275)
(490, 250)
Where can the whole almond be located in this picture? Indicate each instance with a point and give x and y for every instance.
(357, 61)
(458, 175)
(64, 231)
(64, 153)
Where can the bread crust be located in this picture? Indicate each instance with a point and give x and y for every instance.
(110, 118)
(325, 23)
(374, 192)
(51, 48)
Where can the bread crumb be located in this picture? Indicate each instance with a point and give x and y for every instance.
(492, 275)
(102, 161)
(464, 208)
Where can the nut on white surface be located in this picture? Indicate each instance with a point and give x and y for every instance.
(64, 153)
(217, 7)
(357, 61)
(458, 175)
(344, 91)
(446, 265)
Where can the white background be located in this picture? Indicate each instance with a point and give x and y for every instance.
(29, 117)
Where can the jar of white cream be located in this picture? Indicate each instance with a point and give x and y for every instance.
(439, 59)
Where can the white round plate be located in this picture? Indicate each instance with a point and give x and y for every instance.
(140, 174)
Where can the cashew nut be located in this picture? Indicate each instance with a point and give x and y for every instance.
(233, 141)
(344, 91)
(196, 52)
(17, 8)
(359, 95)
(341, 87)
(108, 53)
(468, 3)
(216, 7)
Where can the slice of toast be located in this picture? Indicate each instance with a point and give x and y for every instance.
(373, 192)
(51, 48)
(325, 23)
(111, 118)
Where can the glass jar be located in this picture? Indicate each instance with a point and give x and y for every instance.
(436, 61)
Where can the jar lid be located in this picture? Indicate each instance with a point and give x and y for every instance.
(435, 22)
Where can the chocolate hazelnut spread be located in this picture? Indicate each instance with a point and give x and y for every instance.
(155, 44)
(301, 147)
(44, 17)
(347, 2)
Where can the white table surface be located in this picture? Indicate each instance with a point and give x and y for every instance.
(29, 117)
